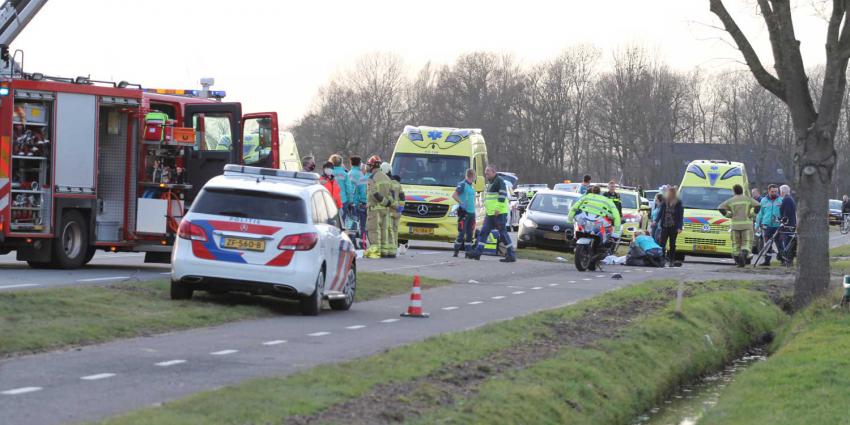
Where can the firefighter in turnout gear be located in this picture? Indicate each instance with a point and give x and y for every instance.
(496, 206)
(394, 211)
(377, 218)
(740, 209)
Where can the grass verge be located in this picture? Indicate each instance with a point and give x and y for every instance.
(839, 267)
(840, 251)
(540, 254)
(45, 319)
(805, 381)
(604, 360)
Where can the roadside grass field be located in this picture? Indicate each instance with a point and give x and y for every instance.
(603, 360)
(840, 267)
(541, 254)
(840, 251)
(44, 319)
(806, 381)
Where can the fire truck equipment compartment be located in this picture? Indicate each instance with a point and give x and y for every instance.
(75, 142)
(184, 136)
(35, 113)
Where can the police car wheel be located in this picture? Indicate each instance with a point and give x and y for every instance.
(312, 305)
(349, 291)
(181, 291)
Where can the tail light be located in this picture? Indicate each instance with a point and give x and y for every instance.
(190, 231)
(299, 242)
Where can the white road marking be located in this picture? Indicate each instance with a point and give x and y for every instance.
(572, 281)
(165, 273)
(475, 302)
(319, 334)
(22, 390)
(412, 267)
(223, 352)
(98, 279)
(450, 308)
(649, 271)
(97, 376)
(518, 292)
(600, 275)
(553, 284)
(514, 287)
(170, 363)
(498, 297)
(275, 342)
(587, 278)
(389, 320)
(537, 287)
(355, 327)
(19, 285)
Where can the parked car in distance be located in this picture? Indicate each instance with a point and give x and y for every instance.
(544, 223)
(567, 187)
(835, 216)
(265, 232)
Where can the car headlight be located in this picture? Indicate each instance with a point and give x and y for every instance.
(453, 210)
(529, 223)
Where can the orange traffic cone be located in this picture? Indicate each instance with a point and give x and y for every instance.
(415, 308)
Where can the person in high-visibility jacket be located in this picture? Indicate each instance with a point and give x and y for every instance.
(497, 208)
(379, 200)
(593, 203)
(396, 208)
(740, 209)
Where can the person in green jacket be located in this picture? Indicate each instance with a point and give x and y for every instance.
(596, 204)
(740, 209)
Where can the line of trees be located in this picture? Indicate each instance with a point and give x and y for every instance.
(576, 113)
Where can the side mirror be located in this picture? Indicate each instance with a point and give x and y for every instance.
(479, 184)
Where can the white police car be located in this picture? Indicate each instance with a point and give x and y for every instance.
(268, 232)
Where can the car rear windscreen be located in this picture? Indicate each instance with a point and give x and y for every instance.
(250, 204)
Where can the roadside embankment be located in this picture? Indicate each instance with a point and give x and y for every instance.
(604, 360)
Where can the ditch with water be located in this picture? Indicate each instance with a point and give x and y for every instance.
(690, 402)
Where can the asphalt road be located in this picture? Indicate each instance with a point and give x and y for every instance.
(98, 381)
(116, 267)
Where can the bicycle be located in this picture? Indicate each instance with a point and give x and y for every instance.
(785, 254)
(845, 224)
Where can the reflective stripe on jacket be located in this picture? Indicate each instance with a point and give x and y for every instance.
(496, 197)
(739, 209)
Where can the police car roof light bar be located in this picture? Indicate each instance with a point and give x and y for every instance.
(231, 169)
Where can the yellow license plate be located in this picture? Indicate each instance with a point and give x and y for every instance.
(422, 231)
(244, 244)
(705, 248)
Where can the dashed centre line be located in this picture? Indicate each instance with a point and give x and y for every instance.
(22, 390)
(389, 320)
(572, 281)
(554, 284)
(498, 297)
(451, 308)
(275, 342)
(587, 278)
(600, 275)
(475, 302)
(223, 352)
(97, 376)
(355, 327)
(319, 334)
(170, 363)
(518, 292)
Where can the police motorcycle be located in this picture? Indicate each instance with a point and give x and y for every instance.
(594, 241)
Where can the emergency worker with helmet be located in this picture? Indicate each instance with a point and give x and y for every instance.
(379, 200)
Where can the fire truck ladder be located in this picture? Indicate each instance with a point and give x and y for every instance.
(15, 15)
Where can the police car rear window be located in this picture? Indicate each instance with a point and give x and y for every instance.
(250, 204)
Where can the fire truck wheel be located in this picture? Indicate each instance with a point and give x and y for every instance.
(89, 254)
(38, 265)
(71, 247)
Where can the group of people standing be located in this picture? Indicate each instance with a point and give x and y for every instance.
(496, 208)
(367, 195)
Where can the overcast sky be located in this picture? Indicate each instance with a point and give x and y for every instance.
(274, 55)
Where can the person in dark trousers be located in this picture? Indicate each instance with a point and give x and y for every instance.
(845, 205)
(768, 218)
(788, 217)
(670, 218)
(464, 195)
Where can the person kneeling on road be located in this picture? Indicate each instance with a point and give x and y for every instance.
(464, 195)
(496, 206)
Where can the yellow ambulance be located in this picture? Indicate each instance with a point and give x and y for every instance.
(706, 184)
(431, 161)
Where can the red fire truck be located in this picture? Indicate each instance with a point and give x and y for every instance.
(87, 165)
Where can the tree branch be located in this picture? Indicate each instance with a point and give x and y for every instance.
(765, 78)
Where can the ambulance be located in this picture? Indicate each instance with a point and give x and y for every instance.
(706, 184)
(431, 161)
